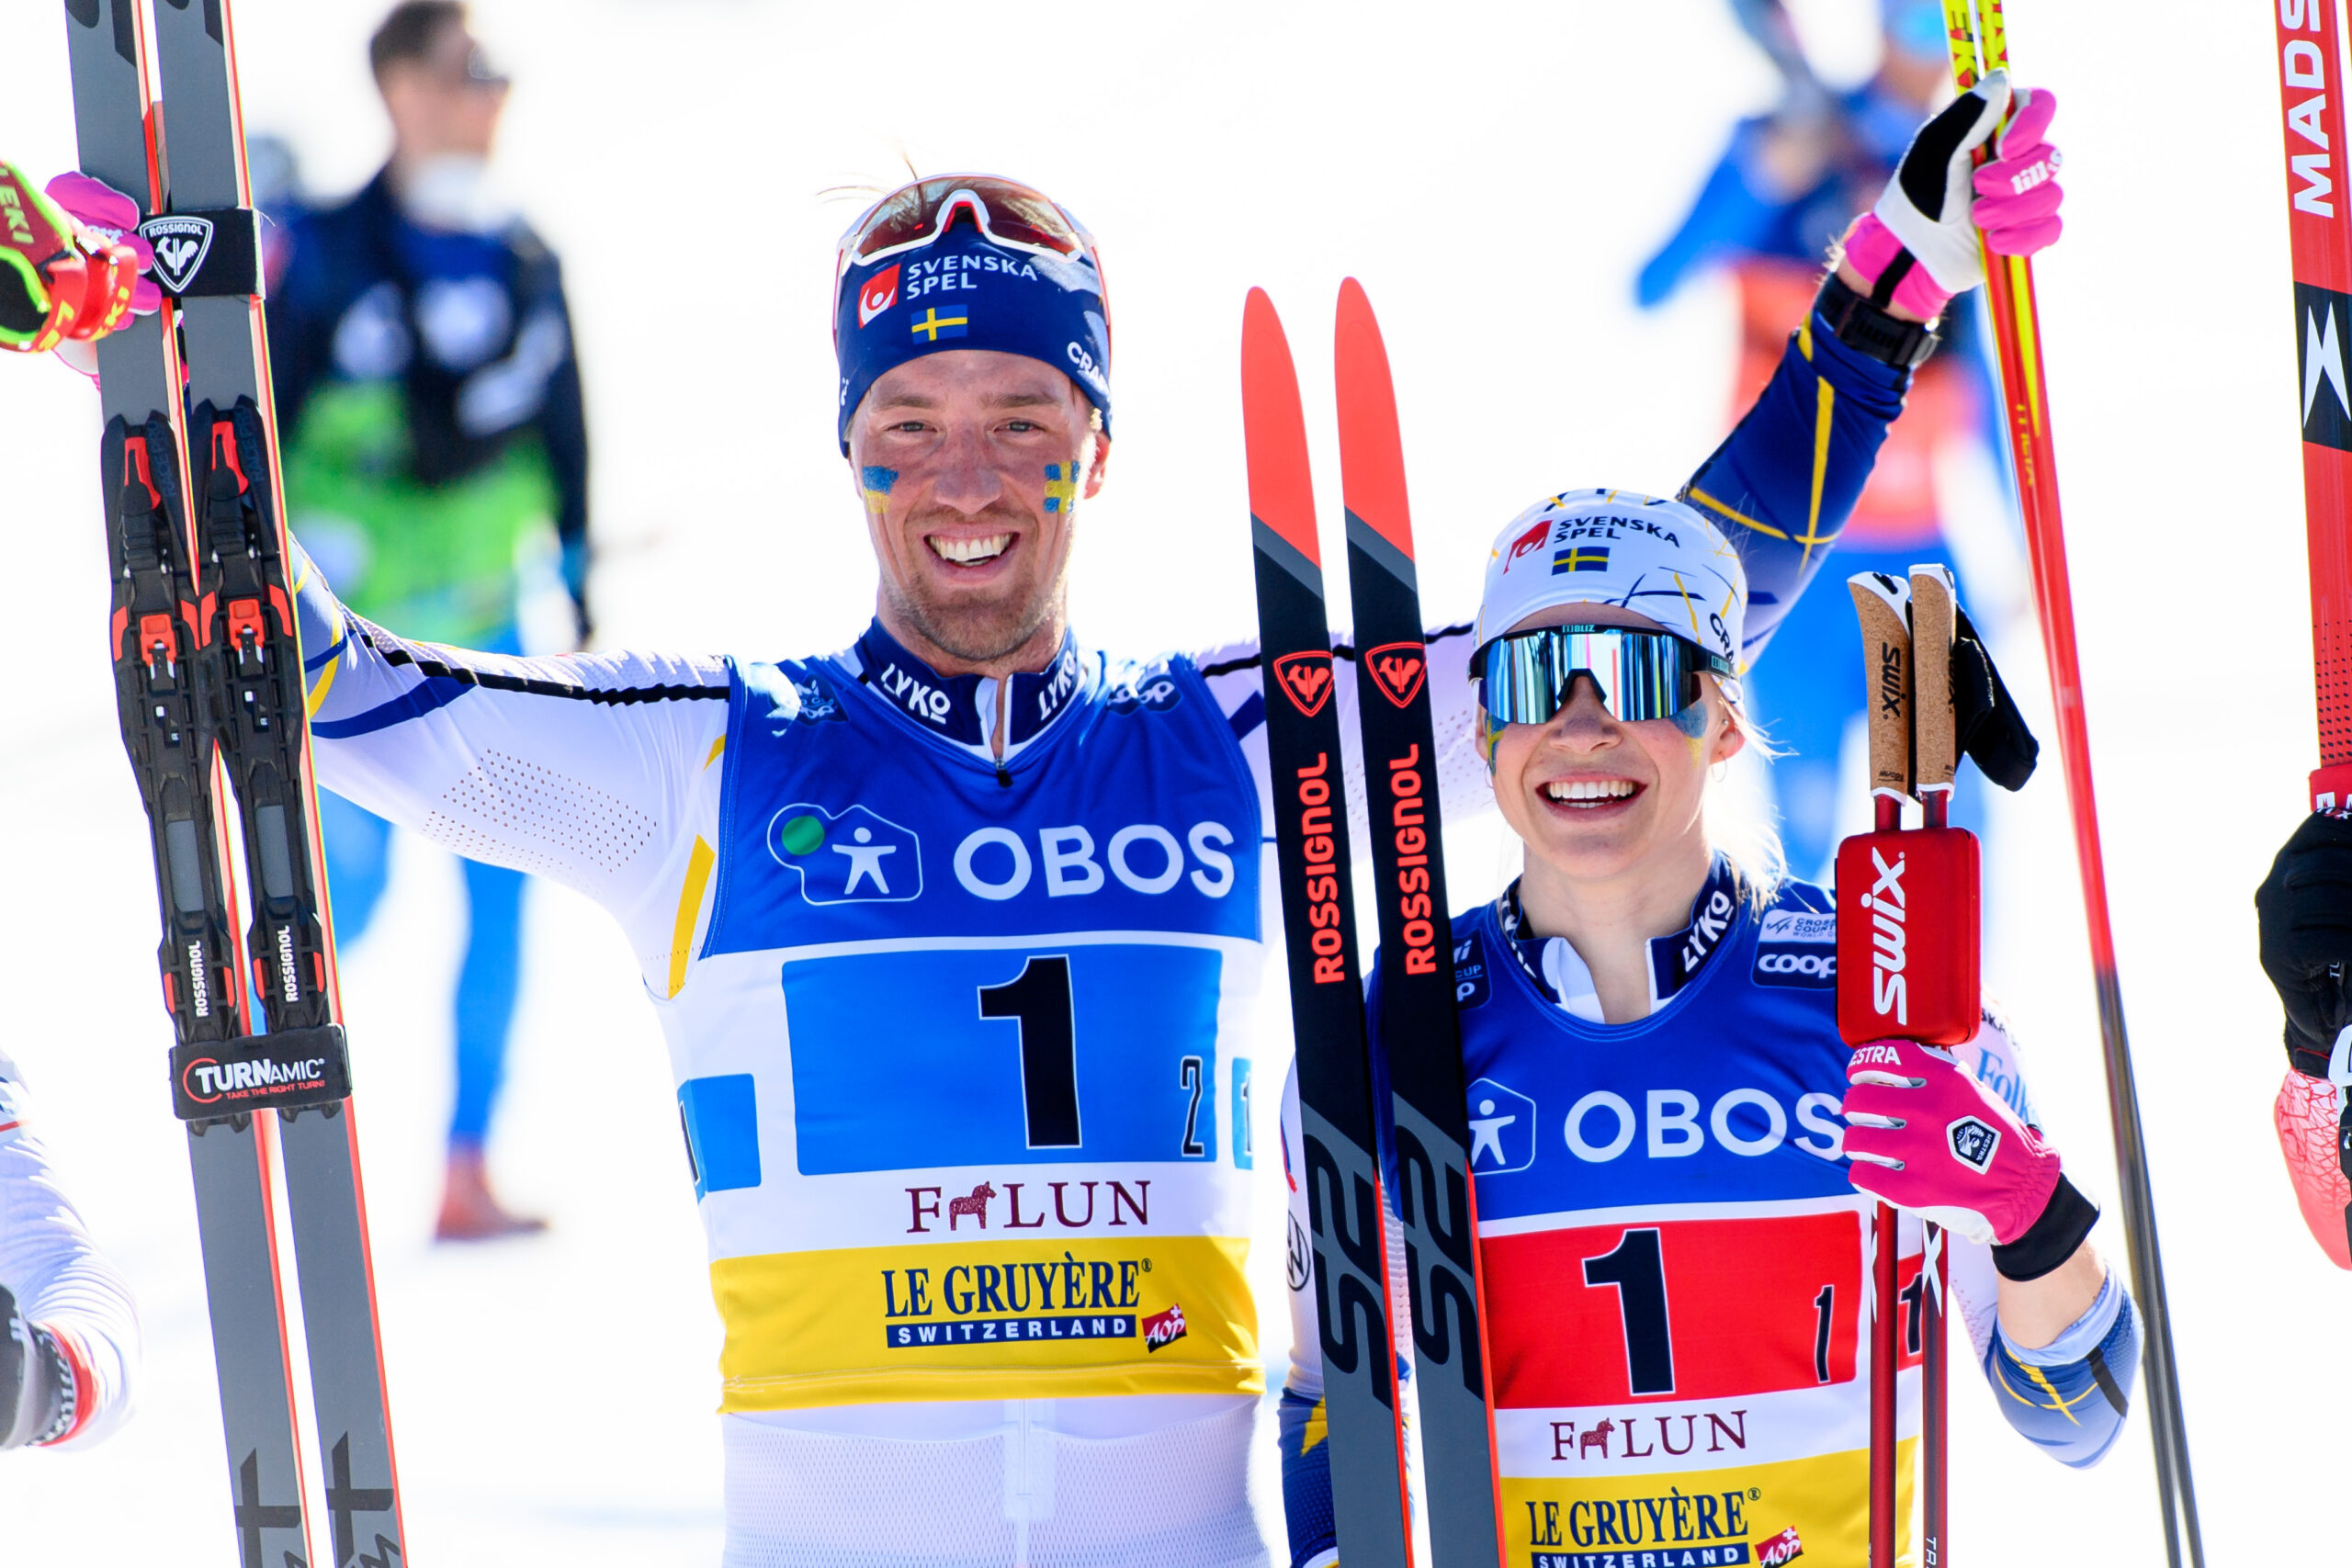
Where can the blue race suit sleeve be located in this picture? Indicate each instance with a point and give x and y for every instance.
(2069, 1398)
(1306, 1480)
(1784, 482)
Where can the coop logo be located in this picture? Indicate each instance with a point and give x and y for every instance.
(205, 1079)
(1974, 1143)
(1797, 947)
(881, 292)
(848, 857)
(1056, 1297)
(1306, 678)
(181, 244)
(1888, 991)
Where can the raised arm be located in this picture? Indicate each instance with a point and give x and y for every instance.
(594, 769)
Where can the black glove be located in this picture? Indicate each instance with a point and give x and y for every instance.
(2304, 908)
(1992, 732)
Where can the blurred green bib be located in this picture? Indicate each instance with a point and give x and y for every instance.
(433, 562)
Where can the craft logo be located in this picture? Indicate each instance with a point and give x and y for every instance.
(1974, 1143)
(1502, 1128)
(1397, 668)
(847, 857)
(1306, 678)
(1154, 693)
(1163, 1328)
(1530, 540)
(881, 292)
(1057, 1297)
(1782, 1548)
(181, 244)
(1582, 557)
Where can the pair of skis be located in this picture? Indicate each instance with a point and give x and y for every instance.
(1365, 1394)
(1979, 38)
(209, 687)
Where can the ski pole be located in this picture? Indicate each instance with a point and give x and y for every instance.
(2319, 228)
(1880, 608)
(1935, 759)
(1979, 40)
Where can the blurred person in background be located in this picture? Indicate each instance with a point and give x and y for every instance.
(1785, 188)
(434, 439)
(68, 1339)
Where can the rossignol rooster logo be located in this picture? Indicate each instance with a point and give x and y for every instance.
(1306, 680)
(181, 245)
(1397, 669)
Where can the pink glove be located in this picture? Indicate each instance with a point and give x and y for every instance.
(1921, 237)
(97, 205)
(1923, 1135)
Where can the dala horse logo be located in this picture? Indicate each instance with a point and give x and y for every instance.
(975, 1204)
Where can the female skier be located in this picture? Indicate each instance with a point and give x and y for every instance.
(1674, 1154)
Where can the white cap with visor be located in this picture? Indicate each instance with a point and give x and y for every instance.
(1658, 557)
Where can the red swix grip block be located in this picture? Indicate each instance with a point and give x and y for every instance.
(1908, 920)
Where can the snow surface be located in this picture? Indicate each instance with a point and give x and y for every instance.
(1494, 177)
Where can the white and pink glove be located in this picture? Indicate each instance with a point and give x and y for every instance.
(1923, 1135)
(1917, 247)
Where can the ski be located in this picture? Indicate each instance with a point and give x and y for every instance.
(1420, 1030)
(1346, 1206)
(1978, 34)
(194, 524)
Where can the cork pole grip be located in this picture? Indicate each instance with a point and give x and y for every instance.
(1935, 725)
(1879, 604)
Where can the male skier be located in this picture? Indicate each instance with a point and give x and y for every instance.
(951, 932)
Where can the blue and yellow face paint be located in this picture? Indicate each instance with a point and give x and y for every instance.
(877, 482)
(1061, 494)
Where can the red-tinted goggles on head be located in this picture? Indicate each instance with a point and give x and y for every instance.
(1006, 212)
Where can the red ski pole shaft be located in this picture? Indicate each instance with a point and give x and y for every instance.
(2319, 229)
(1979, 34)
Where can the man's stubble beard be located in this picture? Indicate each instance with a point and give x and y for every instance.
(984, 632)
